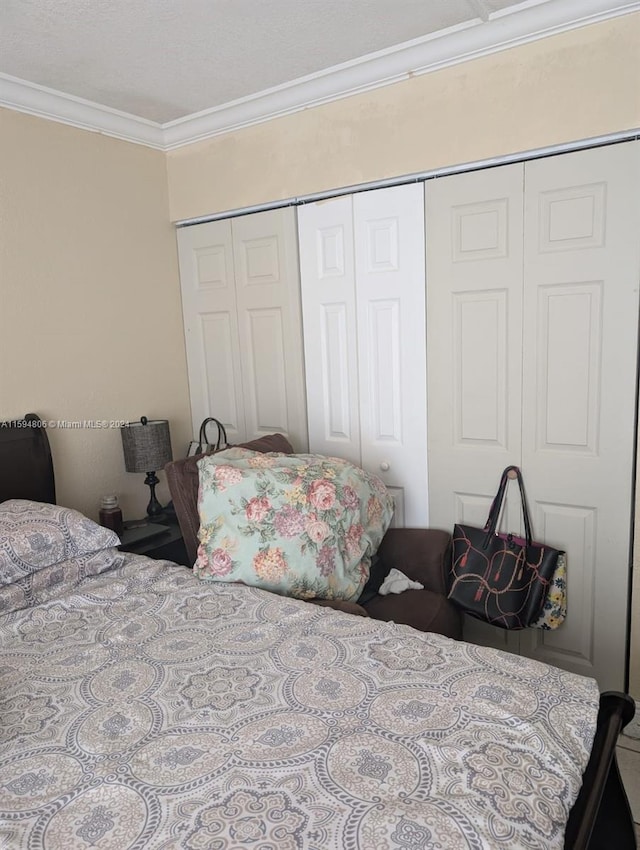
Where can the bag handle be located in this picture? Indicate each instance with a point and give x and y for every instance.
(496, 506)
(222, 435)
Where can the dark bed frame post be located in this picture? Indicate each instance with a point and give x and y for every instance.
(601, 817)
(26, 470)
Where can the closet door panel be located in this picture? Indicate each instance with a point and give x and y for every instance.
(577, 528)
(265, 382)
(211, 330)
(325, 232)
(474, 351)
(270, 324)
(479, 338)
(390, 298)
(580, 333)
(218, 333)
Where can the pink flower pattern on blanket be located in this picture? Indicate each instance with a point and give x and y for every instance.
(220, 563)
(299, 525)
(322, 495)
(227, 476)
(289, 522)
(317, 530)
(257, 509)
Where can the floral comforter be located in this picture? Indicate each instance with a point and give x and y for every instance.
(147, 709)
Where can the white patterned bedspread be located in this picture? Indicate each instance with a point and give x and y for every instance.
(150, 710)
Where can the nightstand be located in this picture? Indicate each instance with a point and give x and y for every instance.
(164, 545)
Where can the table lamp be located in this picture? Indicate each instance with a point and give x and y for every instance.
(147, 447)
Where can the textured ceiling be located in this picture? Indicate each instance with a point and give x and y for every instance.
(165, 59)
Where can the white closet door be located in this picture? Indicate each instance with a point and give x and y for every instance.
(474, 351)
(243, 328)
(390, 298)
(265, 250)
(563, 286)
(211, 328)
(329, 321)
(582, 257)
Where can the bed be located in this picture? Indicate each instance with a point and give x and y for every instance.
(142, 708)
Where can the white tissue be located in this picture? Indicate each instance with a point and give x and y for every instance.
(396, 582)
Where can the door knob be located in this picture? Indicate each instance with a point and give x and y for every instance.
(384, 466)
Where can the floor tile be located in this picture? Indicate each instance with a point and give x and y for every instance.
(629, 743)
(629, 764)
(633, 728)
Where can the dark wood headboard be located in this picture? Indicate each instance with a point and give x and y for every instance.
(26, 466)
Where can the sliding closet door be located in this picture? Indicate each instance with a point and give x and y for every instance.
(364, 331)
(329, 317)
(474, 350)
(582, 259)
(207, 278)
(532, 360)
(390, 297)
(265, 248)
(243, 327)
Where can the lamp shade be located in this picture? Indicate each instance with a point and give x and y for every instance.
(146, 444)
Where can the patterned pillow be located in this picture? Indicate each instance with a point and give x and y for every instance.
(50, 582)
(34, 535)
(299, 525)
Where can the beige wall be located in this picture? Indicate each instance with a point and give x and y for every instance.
(572, 86)
(90, 312)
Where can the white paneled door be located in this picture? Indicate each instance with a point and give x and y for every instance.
(362, 269)
(581, 275)
(327, 272)
(207, 279)
(474, 350)
(241, 309)
(532, 351)
(265, 249)
(390, 303)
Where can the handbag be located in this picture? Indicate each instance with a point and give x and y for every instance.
(204, 446)
(504, 579)
(554, 609)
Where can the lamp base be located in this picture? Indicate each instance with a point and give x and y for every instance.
(155, 510)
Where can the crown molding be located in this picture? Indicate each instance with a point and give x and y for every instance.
(530, 21)
(43, 102)
(453, 46)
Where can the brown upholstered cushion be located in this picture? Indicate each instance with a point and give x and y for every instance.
(341, 605)
(182, 476)
(422, 554)
(423, 609)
